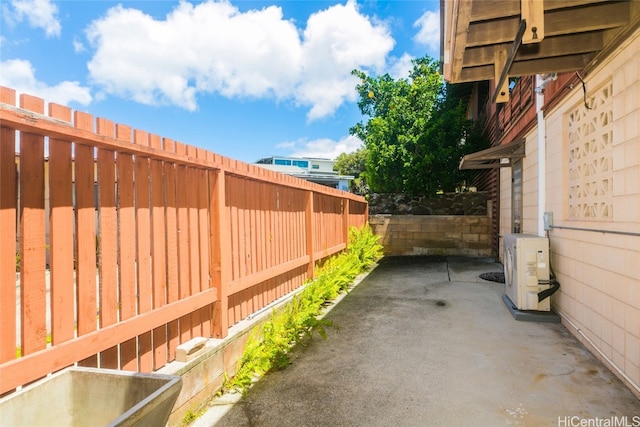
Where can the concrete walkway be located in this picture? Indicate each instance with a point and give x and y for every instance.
(425, 342)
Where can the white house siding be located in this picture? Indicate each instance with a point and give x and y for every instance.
(599, 300)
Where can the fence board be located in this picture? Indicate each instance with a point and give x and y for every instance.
(183, 248)
(194, 256)
(85, 230)
(127, 235)
(173, 291)
(61, 233)
(106, 242)
(158, 237)
(8, 207)
(32, 236)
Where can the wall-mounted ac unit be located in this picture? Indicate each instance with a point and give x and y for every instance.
(526, 270)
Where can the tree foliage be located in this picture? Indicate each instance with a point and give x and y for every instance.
(353, 164)
(416, 131)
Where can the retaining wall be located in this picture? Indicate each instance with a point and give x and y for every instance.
(463, 235)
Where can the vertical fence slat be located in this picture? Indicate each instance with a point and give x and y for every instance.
(8, 209)
(194, 265)
(309, 233)
(203, 220)
(232, 194)
(158, 253)
(158, 230)
(183, 243)
(173, 290)
(107, 241)
(127, 227)
(61, 232)
(84, 181)
(32, 235)
(127, 246)
(143, 224)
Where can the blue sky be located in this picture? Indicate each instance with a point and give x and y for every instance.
(245, 79)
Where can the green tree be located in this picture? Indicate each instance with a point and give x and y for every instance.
(353, 164)
(416, 131)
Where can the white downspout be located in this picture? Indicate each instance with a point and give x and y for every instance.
(542, 155)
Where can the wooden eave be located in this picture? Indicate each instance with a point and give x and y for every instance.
(498, 39)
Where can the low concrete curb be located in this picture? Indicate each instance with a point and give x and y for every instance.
(204, 372)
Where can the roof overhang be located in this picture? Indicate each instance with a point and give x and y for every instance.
(495, 157)
(498, 39)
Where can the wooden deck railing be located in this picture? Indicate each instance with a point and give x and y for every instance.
(130, 244)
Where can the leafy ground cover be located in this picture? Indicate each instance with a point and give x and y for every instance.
(270, 344)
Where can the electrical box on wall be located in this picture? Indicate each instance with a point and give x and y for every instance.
(548, 220)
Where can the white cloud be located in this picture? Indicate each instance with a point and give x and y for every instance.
(19, 74)
(39, 14)
(325, 148)
(212, 47)
(336, 41)
(429, 31)
(78, 47)
(401, 67)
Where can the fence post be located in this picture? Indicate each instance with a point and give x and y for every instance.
(220, 254)
(310, 235)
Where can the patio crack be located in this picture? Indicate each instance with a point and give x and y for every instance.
(448, 271)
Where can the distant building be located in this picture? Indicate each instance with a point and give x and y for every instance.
(311, 169)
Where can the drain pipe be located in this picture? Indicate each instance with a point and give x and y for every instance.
(541, 82)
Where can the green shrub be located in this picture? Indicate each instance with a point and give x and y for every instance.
(269, 345)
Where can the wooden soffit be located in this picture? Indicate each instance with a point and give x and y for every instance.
(498, 39)
(501, 156)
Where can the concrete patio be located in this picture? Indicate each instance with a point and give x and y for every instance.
(424, 341)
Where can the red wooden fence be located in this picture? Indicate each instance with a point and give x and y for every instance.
(130, 244)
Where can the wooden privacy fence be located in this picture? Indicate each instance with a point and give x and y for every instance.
(117, 245)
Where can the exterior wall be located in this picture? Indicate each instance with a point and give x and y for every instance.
(599, 272)
(433, 234)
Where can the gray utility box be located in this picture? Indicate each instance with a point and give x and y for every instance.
(93, 397)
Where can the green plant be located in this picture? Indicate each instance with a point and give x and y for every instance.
(269, 346)
(190, 417)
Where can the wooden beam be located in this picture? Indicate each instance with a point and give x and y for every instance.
(474, 74)
(560, 64)
(558, 22)
(501, 54)
(549, 47)
(592, 18)
(491, 32)
(562, 45)
(504, 71)
(485, 10)
(460, 27)
(532, 12)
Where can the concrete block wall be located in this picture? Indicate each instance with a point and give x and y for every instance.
(434, 234)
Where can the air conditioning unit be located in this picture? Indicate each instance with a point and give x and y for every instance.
(526, 270)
